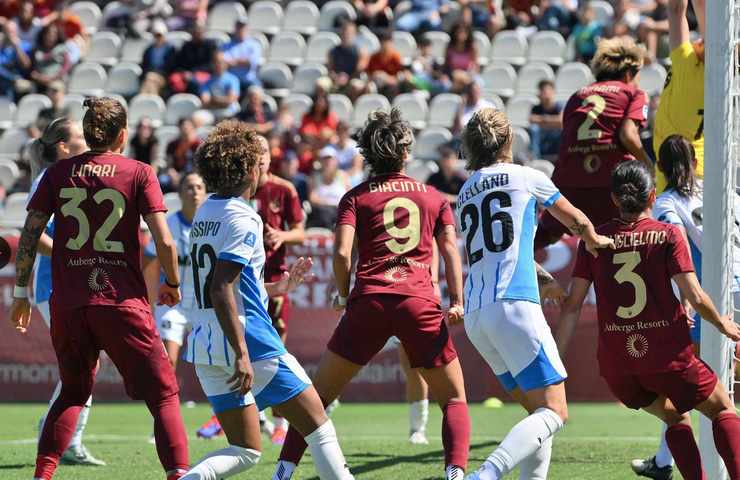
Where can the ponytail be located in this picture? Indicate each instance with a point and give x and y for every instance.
(675, 159)
(43, 150)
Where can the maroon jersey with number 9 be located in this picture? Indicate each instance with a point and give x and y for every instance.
(643, 328)
(396, 220)
(97, 201)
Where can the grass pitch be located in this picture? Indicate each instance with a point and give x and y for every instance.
(597, 443)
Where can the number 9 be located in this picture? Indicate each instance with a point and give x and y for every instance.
(411, 233)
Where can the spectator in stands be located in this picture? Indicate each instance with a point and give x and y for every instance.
(385, 65)
(347, 62)
(75, 36)
(256, 112)
(134, 17)
(587, 33)
(179, 156)
(348, 155)
(327, 186)
(653, 24)
(546, 122)
(425, 73)
(554, 16)
(374, 14)
(424, 15)
(188, 14)
(50, 58)
(220, 94)
(144, 145)
(461, 57)
(28, 23)
(319, 124)
(193, 62)
(14, 61)
(287, 168)
(55, 92)
(482, 14)
(243, 55)
(158, 61)
(449, 179)
(472, 102)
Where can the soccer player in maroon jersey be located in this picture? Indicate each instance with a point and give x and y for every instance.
(601, 129)
(99, 300)
(395, 220)
(644, 351)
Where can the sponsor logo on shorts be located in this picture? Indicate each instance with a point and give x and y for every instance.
(98, 279)
(637, 345)
(396, 274)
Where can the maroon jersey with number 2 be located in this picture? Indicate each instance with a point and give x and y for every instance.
(97, 201)
(643, 328)
(396, 219)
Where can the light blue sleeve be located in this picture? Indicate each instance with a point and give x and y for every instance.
(240, 239)
(541, 187)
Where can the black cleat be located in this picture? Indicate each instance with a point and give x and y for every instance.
(648, 468)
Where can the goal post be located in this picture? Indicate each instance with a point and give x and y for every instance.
(721, 138)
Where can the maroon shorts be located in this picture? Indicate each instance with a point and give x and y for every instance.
(596, 203)
(371, 320)
(279, 310)
(127, 335)
(684, 388)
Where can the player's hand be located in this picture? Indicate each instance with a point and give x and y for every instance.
(598, 242)
(243, 374)
(273, 238)
(297, 274)
(168, 296)
(20, 314)
(455, 314)
(729, 328)
(552, 292)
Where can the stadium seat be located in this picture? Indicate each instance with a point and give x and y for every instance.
(89, 14)
(439, 40)
(603, 10)
(172, 201)
(500, 79)
(73, 105)
(276, 79)
(271, 102)
(509, 46)
(652, 78)
(414, 108)
(306, 76)
(444, 109)
(543, 166)
(428, 143)
(11, 142)
(262, 39)
(204, 131)
(483, 44)
(14, 215)
(178, 38)
(7, 113)
(333, 9)
(29, 108)
(367, 40)
(88, 79)
(145, 105)
(520, 143)
(319, 46)
(181, 105)
(548, 47)
(452, 16)
(532, 74)
(301, 16)
(223, 16)
(124, 79)
(366, 104)
(9, 173)
(165, 134)
(406, 45)
(298, 104)
(113, 9)
(104, 48)
(519, 108)
(265, 16)
(495, 100)
(571, 77)
(420, 170)
(218, 36)
(342, 106)
(401, 8)
(287, 47)
(133, 49)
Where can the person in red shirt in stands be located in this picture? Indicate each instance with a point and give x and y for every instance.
(384, 66)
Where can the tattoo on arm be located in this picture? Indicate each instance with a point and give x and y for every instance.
(580, 224)
(35, 224)
(543, 276)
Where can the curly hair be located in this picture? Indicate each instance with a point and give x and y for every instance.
(385, 141)
(103, 121)
(616, 57)
(486, 138)
(227, 156)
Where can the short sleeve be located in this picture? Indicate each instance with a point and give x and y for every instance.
(240, 238)
(346, 212)
(679, 258)
(149, 195)
(43, 199)
(542, 188)
(637, 109)
(446, 217)
(582, 268)
(665, 211)
(293, 210)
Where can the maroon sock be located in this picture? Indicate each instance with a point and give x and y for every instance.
(726, 429)
(456, 433)
(681, 442)
(169, 432)
(59, 427)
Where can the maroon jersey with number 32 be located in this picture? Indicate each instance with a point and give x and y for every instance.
(396, 220)
(643, 328)
(97, 201)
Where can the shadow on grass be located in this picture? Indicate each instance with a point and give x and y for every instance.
(16, 466)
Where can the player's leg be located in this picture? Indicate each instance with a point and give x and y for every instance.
(279, 309)
(417, 396)
(679, 437)
(725, 427)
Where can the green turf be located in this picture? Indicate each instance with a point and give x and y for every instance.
(597, 443)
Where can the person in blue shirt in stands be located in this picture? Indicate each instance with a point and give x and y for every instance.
(220, 94)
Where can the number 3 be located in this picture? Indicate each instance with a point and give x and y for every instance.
(411, 233)
(77, 195)
(584, 131)
(630, 260)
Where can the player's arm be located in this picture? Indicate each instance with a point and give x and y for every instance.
(45, 245)
(579, 225)
(342, 262)
(435, 271)
(678, 30)
(550, 289)
(700, 10)
(276, 238)
(290, 280)
(690, 289)
(570, 311)
(629, 137)
(150, 270)
(447, 244)
(169, 292)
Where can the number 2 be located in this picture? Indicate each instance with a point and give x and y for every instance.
(411, 233)
(71, 208)
(470, 212)
(584, 131)
(197, 257)
(629, 261)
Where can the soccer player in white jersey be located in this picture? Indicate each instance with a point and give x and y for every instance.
(238, 355)
(497, 211)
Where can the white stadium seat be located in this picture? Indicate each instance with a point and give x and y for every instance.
(520, 143)
(531, 75)
(145, 105)
(428, 143)
(298, 104)
(439, 40)
(104, 48)
(509, 46)
(72, 104)
(11, 142)
(604, 12)
(341, 106)
(319, 46)
(287, 47)
(571, 77)
(367, 40)
(14, 215)
(9, 173)
(88, 79)
(483, 44)
(178, 38)
(301, 16)
(500, 79)
(265, 16)
(366, 104)
(124, 79)
(7, 113)
(306, 75)
(414, 109)
(133, 49)
(276, 79)
(223, 16)
(217, 36)
(172, 201)
(179, 106)
(444, 109)
(89, 14)
(420, 170)
(652, 78)
(519, 108)
(406, 45)
(333, 9)
(29, 108)
(165, 134)
(548, 47)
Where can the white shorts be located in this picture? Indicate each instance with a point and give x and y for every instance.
(43, 309)
(276, 380)
(514, 339)
(172, 323)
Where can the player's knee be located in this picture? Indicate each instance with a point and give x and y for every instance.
(561, 411)
(247, 456)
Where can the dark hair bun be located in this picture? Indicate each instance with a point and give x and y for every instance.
(632, 184)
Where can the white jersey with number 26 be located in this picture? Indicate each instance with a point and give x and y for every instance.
(497, 212)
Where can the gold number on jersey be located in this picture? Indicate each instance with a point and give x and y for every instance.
(630, 260)
(411, 233)
(584, 131)
(71, 208)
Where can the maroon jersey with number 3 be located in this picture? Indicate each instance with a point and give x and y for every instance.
(396, 220)
(97, 201)
(643, 328)
(590, 148)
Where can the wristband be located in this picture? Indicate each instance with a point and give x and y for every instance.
(20, 292)
(341, 301)
(171, 285)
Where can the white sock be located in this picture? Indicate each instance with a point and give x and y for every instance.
(327, 454)
(284, 470)
(81, 424)
(535, 466)
(223, 463)
(523, 440)
(419, 415)
(663, 456)
(281, 422)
